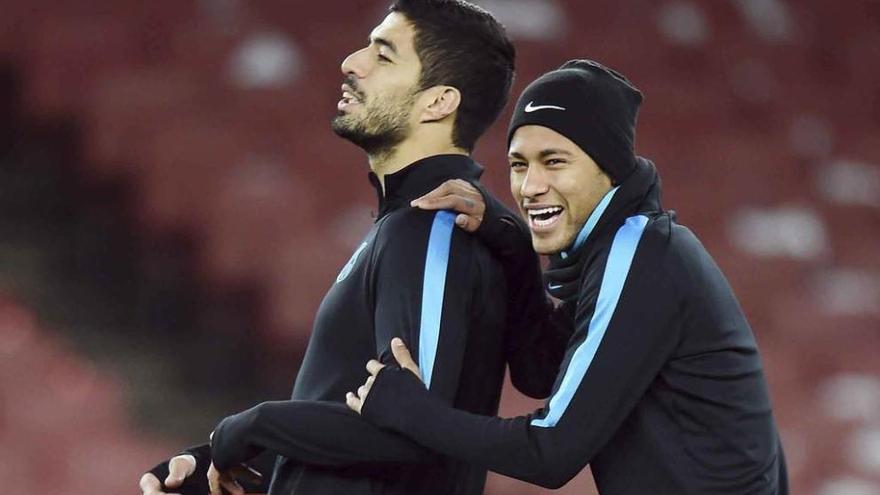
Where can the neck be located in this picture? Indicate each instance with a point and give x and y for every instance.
(406, 153)
(591, 222)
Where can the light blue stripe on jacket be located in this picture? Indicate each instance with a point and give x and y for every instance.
(433, 288)
(623, 249)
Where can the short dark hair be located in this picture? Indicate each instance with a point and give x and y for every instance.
(462, 45)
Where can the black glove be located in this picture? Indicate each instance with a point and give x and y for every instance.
(503, 231)
(197, 482)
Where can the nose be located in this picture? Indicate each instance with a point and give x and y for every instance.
(535, 182)
(355, 64)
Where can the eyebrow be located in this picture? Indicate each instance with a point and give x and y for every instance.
(542, 153)
(384, 42)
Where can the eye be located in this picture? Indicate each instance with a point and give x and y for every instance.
(555, 161)
(383, 58)
(517, 166)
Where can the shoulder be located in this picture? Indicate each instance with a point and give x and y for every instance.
(663, 238)
(409, 228)
(643, 236)
(645, 247)
(673, 250)
(412, 232)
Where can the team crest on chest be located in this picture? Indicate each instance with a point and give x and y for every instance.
(346, 270)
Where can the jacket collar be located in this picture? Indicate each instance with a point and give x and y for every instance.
(639, 193)
(591, 222)
(420, 178)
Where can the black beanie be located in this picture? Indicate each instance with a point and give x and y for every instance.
(590, 104)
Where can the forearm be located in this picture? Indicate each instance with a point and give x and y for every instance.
(536, 347)
(538, 332)
(310, 432)
(196, 483)
(546, 457)
(558, 441)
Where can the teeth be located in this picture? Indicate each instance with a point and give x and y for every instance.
(553, 212)
(543, 223)
(545, 211)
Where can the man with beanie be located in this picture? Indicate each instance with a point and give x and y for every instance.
(661, 389)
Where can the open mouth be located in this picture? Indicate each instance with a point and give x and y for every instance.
(349, 98)
(542, 218)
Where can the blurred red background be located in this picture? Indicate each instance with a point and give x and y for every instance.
(174, 205)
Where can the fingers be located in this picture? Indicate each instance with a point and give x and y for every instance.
(373, 367)
(179, 467)
(364, 389)
(214, 481)
(224, 483)
(230, 485)
(353, 402)
(468, 223)
(459, 196)
(356, 402)
(150, 485)
(455, 195)
(456, 203)
(438, 192)
(455, 186)
(403, 357)
(149, 482)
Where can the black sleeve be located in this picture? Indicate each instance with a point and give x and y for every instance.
(319, 433)
(538, 331)
(422, 290)
(619, 349)
(197, 483)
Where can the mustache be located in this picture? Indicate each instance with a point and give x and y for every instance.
(352, 83)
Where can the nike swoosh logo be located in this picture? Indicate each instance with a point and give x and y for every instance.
(554, 287)
(531, 107)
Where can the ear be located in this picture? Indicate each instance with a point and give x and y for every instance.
(442, 101)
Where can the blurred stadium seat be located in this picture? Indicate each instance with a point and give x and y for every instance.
(738, 115)
(64, 427)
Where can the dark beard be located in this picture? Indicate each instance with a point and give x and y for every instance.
(380, 131)
(375, 142)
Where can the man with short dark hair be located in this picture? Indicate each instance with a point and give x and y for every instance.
(661, 390)
(434, 77)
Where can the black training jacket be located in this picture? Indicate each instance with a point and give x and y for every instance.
(661, 390)
(414, 276)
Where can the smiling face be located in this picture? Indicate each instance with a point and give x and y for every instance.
(555, 184)
(380, 88)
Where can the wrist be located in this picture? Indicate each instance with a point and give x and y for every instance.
(229, 441)
(196, 482)
(393, 399)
